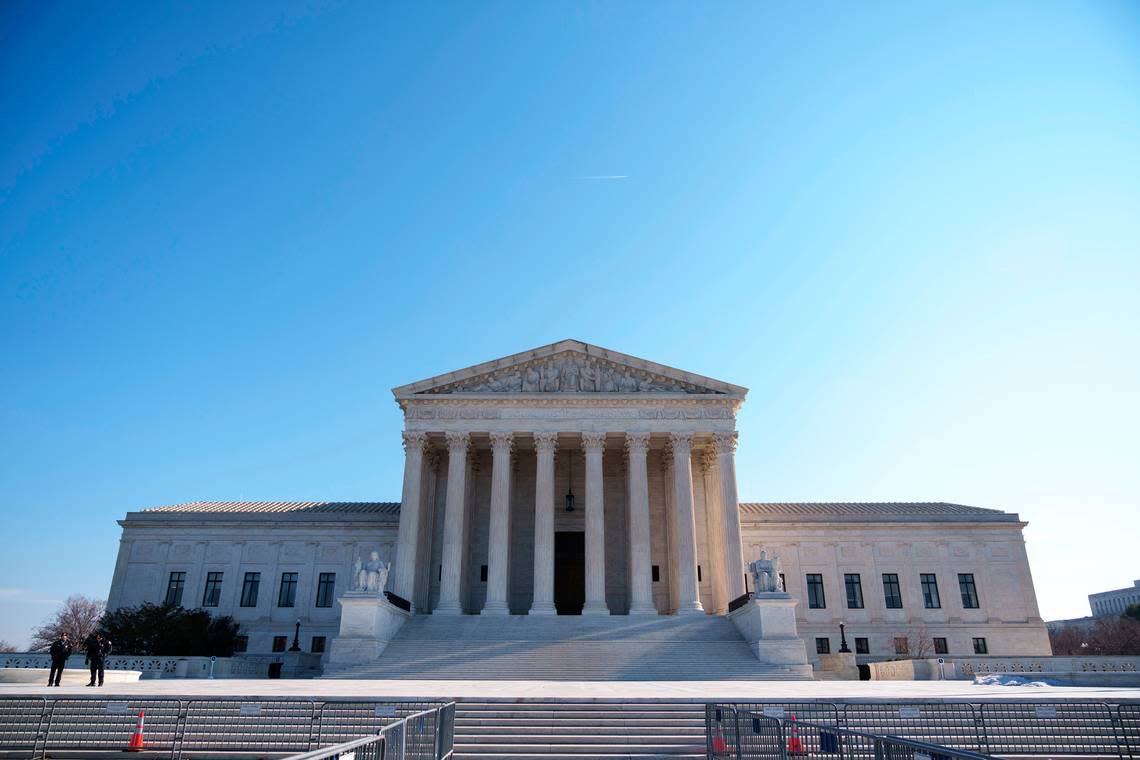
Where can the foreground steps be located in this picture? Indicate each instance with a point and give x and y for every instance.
(566, 648)
(569, 730)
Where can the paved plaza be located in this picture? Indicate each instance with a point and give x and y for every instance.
(673, 691)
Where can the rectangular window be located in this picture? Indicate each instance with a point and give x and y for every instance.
(930, 598)
(901, 646)
(241, 643)
(854, 586)
(940, 646)
(279, 643)
(174, 588)
(318, 645)
(699, 579)
(823, 645)
(892, 594)
(816, 600)
(213, 593)
(483, 573)
(249, 586)
(980, 646)
(656, 573)
(325, 585)
(862, 645)
(287, 597)
(969, 591)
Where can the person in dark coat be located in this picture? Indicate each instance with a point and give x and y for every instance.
(60, 651)
(97, 650)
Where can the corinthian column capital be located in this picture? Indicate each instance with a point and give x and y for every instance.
(414, 440)
(725, 443)
(637, 443)
(502, 442)
(546, 441)
(457, 443)
(593, 441)
(682, 442)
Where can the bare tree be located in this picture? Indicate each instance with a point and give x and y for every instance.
(1106, 636)
(6, 647)
(78, 617)
(915, 640)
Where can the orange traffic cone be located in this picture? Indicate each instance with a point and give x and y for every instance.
(795, 743)
(138, 744)
(719, 745)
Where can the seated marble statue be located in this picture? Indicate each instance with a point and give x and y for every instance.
(371, 576)
(766, 573)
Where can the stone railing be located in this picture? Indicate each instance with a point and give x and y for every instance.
(966, 668)
(293, 664)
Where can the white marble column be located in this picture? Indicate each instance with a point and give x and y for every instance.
(641, 580)
(499, 535)
(545, 445)
(594, 444)
(454, 519)
(407, 539)
(688, 593)
(714, 521)
(730, 511)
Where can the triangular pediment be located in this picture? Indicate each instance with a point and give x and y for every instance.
(569, 366)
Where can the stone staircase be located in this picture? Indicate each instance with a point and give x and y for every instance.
(569, 730)
(566, 648)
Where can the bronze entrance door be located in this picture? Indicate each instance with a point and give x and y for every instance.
(569, 572)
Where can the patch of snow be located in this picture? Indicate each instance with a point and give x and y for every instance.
(1007, 679)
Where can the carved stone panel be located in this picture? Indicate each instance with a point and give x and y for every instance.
(569, 372)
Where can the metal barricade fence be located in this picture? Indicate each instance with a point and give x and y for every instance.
(991, 728)
(1068, 728)
(765, 738)
(342, 721)
(445, 732)
(21, 723)
(33, 728)
(948, 724)
(249, 726)
(720, 731)
(1128, 718)
(75, 725)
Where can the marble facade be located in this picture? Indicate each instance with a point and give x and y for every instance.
(649, 453)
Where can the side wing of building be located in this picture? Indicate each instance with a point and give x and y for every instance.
(935, 576)
(267, 565)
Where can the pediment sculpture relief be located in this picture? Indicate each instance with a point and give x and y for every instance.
(570, 374)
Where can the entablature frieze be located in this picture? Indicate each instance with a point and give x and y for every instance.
(681, 417)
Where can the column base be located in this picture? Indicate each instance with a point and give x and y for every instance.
(642, 609)
(542, 608)
(595, 608)
(443, 608)
(693, 608)
(496, 608)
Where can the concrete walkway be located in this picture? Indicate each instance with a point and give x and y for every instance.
(539, 691)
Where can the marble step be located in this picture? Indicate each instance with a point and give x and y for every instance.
(593, 731)
(541, 748)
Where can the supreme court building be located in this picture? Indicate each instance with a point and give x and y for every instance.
(575, 480)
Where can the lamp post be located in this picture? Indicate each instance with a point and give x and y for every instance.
(843, 639)
(296, 637)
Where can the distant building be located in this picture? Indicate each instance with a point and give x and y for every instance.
(1114, 602)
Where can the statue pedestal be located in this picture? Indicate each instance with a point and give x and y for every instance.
(768, 623)
(368, 622)
(839, 666)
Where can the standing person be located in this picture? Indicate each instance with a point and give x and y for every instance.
(60, 651)
(97, 650)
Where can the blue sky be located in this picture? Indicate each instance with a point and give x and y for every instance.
(227, 231)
